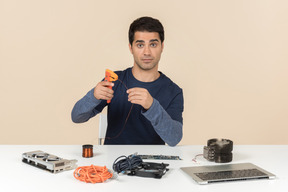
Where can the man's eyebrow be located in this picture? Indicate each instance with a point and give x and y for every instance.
(142, 41)
(152, 40)
(139, 41)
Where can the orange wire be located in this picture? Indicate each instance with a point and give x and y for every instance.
(92, 174)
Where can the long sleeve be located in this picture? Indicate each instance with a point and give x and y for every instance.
(168, 129)
(129, 124)
(86, 108)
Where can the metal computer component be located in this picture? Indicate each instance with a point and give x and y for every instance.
(160, 157)
(218, 150)
(48, 161)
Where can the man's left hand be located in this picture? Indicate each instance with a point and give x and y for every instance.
(140, 96)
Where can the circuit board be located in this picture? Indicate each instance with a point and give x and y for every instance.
(162, 157)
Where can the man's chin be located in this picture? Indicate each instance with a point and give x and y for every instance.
(146, 66)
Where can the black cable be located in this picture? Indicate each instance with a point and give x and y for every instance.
(123, 163)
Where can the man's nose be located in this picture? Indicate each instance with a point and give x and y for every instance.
(147, 50)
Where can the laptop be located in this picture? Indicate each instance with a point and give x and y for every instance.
(227, 172)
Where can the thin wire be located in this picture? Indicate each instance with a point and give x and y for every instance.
(194, 159)
(125, 119)
(123, 84)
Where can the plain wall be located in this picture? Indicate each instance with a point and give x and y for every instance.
(230, 58)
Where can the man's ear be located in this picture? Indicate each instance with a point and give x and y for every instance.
(162, 46)
(130, 48)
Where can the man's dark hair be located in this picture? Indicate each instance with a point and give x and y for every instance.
(148, 24)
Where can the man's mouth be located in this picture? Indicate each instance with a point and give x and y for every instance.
(147, 60)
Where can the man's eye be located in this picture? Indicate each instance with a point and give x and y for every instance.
(153, 44)
(140, 45)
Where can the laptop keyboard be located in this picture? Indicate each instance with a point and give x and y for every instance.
(230, 175)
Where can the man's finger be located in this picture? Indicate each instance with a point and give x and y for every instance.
(107, 84)
(135, 98)
(106, 90)
(106, 96)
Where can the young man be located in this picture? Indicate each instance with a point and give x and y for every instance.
(150, 100)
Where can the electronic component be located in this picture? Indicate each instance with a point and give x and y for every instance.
(161, 157)
(134, 166)
(48, 162)
(87, 151)
(218, 150)
(152, 170)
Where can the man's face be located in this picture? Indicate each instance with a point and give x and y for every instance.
(146, 50)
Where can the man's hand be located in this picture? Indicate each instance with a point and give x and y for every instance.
(140, 96)
(101, 91)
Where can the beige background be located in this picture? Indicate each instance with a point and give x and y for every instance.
(230, 58)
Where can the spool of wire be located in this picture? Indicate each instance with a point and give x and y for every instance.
(87, 151)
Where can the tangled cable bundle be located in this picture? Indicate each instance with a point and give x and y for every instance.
(123, 163)
(92, 174)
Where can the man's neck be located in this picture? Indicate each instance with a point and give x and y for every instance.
(145, 76)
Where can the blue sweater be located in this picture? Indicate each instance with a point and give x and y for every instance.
(161, 124)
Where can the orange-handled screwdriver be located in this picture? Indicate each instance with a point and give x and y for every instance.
(110, 76)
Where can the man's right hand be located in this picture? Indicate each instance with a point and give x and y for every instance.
(102, 91)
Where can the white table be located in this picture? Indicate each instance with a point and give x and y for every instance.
(18, 176)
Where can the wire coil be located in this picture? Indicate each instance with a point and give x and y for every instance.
(87, 151)
(123, 163)
(92, 174)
